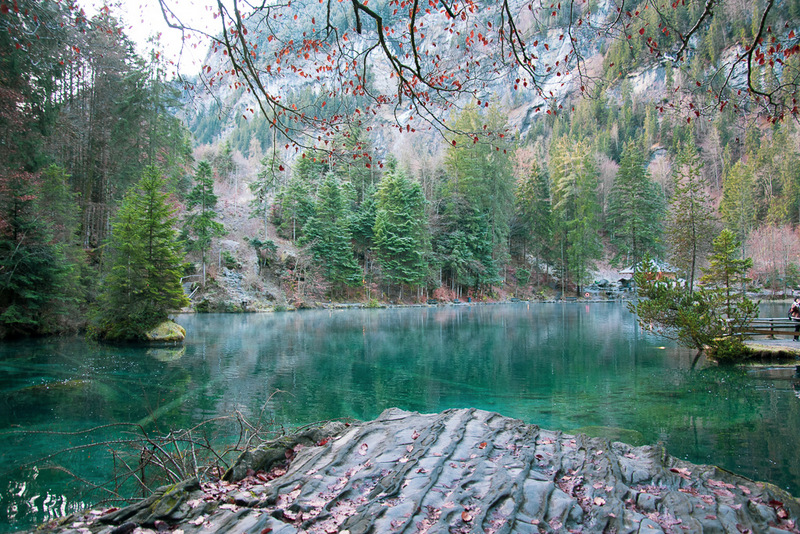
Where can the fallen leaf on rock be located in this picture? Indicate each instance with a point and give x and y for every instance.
(482, 445)
(410, 448)
(719, 484)
(630, 455)
(609, 489)
(415, 435)
(466, 517)
(612, 514)
(744, 489)
(198, 521)
(597, 485)
(231, 507)
(775, 504)
(362, 450)
(323, 442)
(782, 513)
(711, 517)
(598, 453)
(599, 501)
(682, 472)
(403, 460)
(722, 492)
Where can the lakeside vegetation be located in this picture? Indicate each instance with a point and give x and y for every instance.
(602, 181)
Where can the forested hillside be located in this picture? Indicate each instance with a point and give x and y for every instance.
(300, 168)
(532, 181)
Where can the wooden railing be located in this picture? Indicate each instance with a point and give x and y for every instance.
(767, 326)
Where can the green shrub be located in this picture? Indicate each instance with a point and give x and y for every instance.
(230, 261)
(729, 350)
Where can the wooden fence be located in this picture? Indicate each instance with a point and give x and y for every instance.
(768, 326)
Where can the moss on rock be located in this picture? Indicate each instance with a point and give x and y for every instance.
(168, 331)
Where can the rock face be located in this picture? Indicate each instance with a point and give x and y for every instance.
(458, 471)
(166, 332)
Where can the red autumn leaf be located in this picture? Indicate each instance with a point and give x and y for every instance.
(466, 517)
(482, 445)
(641, 31)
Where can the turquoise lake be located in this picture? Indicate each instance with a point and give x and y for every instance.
(573, 367)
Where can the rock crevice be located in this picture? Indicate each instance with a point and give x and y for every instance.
(459, 471)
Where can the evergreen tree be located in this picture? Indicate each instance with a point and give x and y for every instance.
(143, 285)
(200, 221)
(267, 180)
(738, 201)
(635, 209)
(575, 210)
(691, 222)
(36, 279)
(363, 225)
(463, 246)
(329, 238)
(400, 231)
(534, 213)
(480, 171)
(292, 209)
(355, 162)
(727, 275)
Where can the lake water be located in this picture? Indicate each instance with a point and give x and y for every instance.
(575, 367)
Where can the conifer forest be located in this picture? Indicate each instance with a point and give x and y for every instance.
(391, 151)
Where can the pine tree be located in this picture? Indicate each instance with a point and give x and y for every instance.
(143, 285)
(37, 281)
(534, 213)
(635, 209)
(329, 238)
(481, 171)
(691, 222)
(575, 210)
(727, 274)
(738, 201)
(200, 221)
(267, 180)
(293, 207)
(400, 232)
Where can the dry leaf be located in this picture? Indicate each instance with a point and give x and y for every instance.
(363, 449)
(466, 517)
(482, 445)
(599, 501)
(682, 472)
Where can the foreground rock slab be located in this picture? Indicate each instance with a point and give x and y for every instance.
(456, 471)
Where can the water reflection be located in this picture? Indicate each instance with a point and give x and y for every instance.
(561, 366)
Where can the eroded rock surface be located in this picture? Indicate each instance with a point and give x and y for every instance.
(458, 471)
(166, 332)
